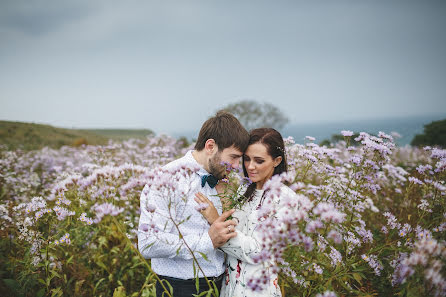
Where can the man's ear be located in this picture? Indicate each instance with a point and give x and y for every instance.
(210, 146)
(277, 161)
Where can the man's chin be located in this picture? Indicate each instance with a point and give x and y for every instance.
(220, 175)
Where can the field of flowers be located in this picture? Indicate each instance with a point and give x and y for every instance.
(369, 220)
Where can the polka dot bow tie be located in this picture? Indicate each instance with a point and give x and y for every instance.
(210, 179)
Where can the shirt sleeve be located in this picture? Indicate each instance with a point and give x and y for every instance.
(242, 247)
(157, 235)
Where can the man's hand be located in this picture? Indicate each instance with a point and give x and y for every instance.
(221, 230)
(209, 213)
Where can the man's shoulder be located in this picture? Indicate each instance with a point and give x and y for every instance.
(184, 169)
(184, 160)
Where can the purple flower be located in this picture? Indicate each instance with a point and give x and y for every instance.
(201, 206)
(335, 236)
(150, 207)
(105, 209)
(313, 225)
(310, 138)
(317, 269)
(84, 218)
(415, 180)
(335, 257)
(144, 227)
(327, 294)
(372, 260)
(347, 133)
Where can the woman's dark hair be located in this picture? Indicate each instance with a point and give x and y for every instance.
(275, 147)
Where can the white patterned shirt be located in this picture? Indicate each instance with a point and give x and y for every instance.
(168, 253)
(244, 247)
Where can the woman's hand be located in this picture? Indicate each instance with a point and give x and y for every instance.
(210, 213)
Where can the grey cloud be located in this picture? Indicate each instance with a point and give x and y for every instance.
(40, 17)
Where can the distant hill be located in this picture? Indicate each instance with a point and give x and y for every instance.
(119, 134)
(30, 136)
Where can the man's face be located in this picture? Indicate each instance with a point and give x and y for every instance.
(230, 155)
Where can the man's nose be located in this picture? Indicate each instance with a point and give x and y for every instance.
(235, 164)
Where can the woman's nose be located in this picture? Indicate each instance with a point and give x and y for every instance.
(251, 165)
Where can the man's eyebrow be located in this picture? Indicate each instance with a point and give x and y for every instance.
(236, 155)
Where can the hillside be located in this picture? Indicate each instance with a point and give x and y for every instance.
(30, 136)
(119, 134)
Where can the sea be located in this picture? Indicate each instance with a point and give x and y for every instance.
(407, 127)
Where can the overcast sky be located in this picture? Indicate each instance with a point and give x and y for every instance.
(168, 65)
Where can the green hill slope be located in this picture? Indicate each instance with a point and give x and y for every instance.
(119, 134)
(30, 136)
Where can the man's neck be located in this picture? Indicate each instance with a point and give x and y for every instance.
(201, 158)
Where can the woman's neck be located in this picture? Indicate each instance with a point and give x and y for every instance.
(259, 186)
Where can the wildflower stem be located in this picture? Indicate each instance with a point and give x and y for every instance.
(118, 226)
(192, 253)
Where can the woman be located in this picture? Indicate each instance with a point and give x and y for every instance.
(264, 157)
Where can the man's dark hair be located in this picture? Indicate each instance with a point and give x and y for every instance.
(225, 129)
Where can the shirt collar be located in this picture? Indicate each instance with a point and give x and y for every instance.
(190, 158)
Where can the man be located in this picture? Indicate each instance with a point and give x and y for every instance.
(177, 228)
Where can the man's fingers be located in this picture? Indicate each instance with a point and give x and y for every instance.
(225, 215)
(230, 235)
(203, 197)
(229, 223)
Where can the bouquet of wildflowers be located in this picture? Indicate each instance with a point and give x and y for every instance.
(234, 185)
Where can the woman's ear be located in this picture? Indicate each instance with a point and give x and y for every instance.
(210, 146)
(277, 161)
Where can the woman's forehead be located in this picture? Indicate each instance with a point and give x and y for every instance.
(257, 149)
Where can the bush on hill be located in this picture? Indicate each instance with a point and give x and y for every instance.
(434, 134)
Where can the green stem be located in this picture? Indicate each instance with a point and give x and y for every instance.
(192, 253)
(118, 226)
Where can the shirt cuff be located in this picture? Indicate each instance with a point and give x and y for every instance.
(208, 246)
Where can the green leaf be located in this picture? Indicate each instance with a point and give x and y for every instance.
(70, 259)
(357, 277)
(97, 284)
(41, 292)
(102, 265)
(103, 241)
(119, 292)
(56, 292)
(11, 283)
(169, 287)
(204, 256)
(55, 273)
(197, 284)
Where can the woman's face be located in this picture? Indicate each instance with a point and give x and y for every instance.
(259, 164)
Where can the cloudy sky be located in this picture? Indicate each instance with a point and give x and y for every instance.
(168, 65)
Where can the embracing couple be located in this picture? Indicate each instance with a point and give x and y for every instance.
(223, 247)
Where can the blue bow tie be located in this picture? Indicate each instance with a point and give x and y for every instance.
(210, 179)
